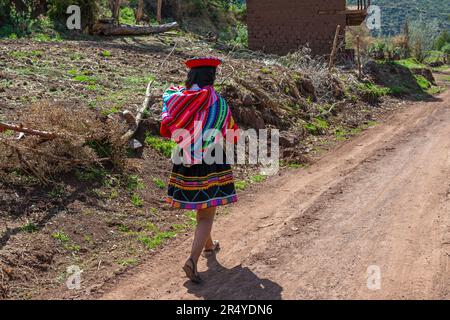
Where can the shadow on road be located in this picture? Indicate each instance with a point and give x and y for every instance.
(237, 283)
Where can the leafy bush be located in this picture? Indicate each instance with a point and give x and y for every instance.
(127, 16)
(442, 40)
(446, 49)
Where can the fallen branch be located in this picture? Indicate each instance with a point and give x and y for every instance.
(19, 128)
(127, 30)
(135, 122)
(140, 115)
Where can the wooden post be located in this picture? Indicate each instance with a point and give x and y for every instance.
(358, 52)
(335, 43)
(159, 13)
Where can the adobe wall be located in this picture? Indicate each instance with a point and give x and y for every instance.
(282, 26)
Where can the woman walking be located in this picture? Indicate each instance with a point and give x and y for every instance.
(198, 184)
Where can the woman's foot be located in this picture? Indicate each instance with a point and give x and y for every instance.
(214, 249)
(190, 268)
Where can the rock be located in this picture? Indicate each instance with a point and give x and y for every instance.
(288, 139)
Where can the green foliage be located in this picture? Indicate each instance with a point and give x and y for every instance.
(136, 200)
(423, 83)
(30, 228)
(61, 237)
(134, 183)
(241, 185)
(317, 126)
(372, 92)
(127, 262)
(258, 178)
(159, 183)
(163, 146)
(442, 40)
(446, 49)
(422, 36)
(239, 36)
(127, 16)
(410, 63)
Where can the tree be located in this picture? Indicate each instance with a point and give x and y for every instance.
(422, 36)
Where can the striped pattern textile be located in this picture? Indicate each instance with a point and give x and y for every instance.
(183, 108)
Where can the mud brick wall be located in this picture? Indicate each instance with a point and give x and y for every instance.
(282, 26)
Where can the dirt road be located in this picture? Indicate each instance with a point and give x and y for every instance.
(381, 199)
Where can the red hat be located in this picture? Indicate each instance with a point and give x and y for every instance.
(203, 62)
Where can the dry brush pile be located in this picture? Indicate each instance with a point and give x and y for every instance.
(60, 137)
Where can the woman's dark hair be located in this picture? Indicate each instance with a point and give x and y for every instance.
(202, 76)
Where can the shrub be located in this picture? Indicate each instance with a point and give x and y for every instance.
(442, 40)
(422, 36)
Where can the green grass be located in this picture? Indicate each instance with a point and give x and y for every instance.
(29, 227)
(258, 178)
(410, 63)
(423, 83)
(156, 240)
(192, 218)
(138, 80)
(26, 54)
(317, 126)
(128, 262)
(134, 183)
(123, 228)
(163, 146)
(159, 183)
(241, 185)
(136, 200)
(372, 92)
(61, 237)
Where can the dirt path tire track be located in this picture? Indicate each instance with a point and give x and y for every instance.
(381, 199)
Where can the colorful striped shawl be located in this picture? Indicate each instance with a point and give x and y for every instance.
(182, 108)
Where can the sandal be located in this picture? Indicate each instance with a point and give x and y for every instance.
(215, 248)
(190, 268)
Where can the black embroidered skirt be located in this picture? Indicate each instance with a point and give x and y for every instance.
(201, 186)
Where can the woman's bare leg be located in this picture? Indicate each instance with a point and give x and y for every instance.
(205, 220)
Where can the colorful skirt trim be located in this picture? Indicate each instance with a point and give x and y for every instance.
(201, 186)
